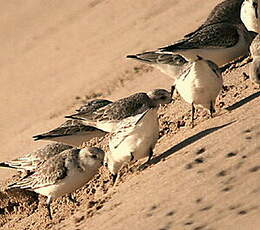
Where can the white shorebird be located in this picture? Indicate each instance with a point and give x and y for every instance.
(254, 67)
(108, 117)
(63, 174)
(74, 132)
(31, 161)
(250, 15)
(200, 84)
(135, 137)
(173, 64)
(220, 42)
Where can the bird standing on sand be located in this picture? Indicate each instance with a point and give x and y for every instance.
(62, 174)
(173, 64)
(135, 136)
(250, 15)
(108, 117)
(220, 43)
(200, 84)
(254, 67)
(74, 132)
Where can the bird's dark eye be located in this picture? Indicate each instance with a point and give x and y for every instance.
(94, 156)
(163, 97)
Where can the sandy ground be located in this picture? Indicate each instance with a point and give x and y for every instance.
(56, 54)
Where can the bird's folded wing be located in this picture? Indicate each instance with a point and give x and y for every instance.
(50, 172)
(221, 35)
(125, 129)
(153, 57)
(118, 110)
(65, 131)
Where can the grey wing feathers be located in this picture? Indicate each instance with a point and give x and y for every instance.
(8, 165)
(226, 12)
(49, 173)
(19, 164)
(221, 35)
(70, 127)
(120, 109)
(93, 105)
(152, 57)
(50, 150)
(126, 107)
(29, 161)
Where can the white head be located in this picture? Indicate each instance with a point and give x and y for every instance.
(254, 4)
(250, 6)
(160, 96)
(91, 157)
(250, 14)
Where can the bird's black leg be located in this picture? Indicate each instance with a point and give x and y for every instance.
(212, 109)
(172, 90)
(192, 114)
(72, 199)
(132, 156)
(150, 155)
(48, 202)
(114, 177)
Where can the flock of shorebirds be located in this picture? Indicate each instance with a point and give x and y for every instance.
(229, 32)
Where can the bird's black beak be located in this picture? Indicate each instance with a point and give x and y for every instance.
(256, 11)
(199, 57)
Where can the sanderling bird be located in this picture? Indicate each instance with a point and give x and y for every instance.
(220, 42)
(169, 64)
(249, 15)
(200, 84)
(63, 174)
(225, 12)
(72, 132)
(172, 65)
(108, 117)
(135, 136)
(254, 67)
(31, 161)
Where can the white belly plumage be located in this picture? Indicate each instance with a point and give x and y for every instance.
(200, 86)
(70, 183)
(134, 140)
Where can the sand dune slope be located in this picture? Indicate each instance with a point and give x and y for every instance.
(53, 52)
